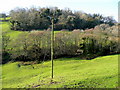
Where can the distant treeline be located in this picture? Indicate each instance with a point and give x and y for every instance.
(40, 18)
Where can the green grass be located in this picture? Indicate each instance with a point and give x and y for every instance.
(101, 72)
(6, 28)
(7, 18)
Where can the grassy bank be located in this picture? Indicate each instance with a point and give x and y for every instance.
(101, 72)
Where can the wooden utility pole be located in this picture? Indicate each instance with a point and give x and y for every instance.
(52, 43)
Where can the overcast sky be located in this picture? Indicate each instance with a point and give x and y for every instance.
(104, 7)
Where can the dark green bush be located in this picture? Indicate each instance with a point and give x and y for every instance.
(6, 57)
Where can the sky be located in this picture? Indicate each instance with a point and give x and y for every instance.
(104, 7)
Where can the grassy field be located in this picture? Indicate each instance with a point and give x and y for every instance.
(7, 18)
(101, 72)
(6, 28)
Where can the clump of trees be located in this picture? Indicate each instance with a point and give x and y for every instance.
(35, 45)
(38, 18)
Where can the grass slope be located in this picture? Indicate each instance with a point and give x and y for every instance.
(6, 28)
(101, 72)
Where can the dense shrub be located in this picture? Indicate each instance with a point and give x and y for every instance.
(6, 57)
(36, 45)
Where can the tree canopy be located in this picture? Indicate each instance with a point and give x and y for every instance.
(39, 18)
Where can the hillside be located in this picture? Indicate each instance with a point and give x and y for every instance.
(58, 45)
(6, 28)
(101, 72)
